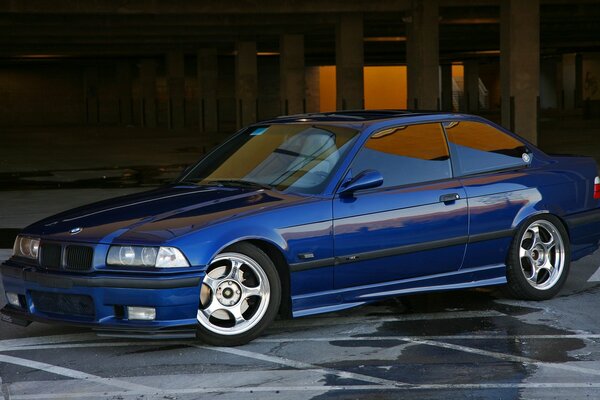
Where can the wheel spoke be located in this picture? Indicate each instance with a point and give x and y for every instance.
(214, 306)
(211, 283)
(535, 230)
(235, 272)
(251, 291)
(523, 252)
(236, 312)
(534, 276)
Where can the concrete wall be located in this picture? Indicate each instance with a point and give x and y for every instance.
(41, 94)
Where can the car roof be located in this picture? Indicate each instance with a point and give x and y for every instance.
(359, 116)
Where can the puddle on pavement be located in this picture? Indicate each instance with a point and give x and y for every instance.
(426, 364)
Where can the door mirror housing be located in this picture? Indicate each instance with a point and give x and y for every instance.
(367, 179)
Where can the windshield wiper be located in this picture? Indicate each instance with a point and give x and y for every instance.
(238, 183)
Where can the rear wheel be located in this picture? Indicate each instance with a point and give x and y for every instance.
(239, 296)
(539, 259)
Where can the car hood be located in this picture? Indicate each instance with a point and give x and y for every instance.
(158, 215)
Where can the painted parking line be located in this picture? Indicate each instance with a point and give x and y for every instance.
(71, 373)
(313, 322)
(427, 337)
(191, 343)
(503, 356)
(301, 365)
(311, 388)
(595, 276)
(329, 321)
(37, 340)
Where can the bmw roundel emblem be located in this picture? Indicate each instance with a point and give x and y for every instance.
(75, 231)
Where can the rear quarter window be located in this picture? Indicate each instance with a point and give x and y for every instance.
(477, 147)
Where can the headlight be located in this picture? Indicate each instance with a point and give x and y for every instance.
(138, 256)
(26, 247)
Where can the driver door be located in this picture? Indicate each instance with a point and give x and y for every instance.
(415, 224)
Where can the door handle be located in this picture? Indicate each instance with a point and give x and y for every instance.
(448, 198)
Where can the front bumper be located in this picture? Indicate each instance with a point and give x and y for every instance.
(175, 298)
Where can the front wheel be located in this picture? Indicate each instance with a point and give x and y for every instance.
(539, 258)
(239, 297)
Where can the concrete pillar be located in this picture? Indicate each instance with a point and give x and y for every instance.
(446, 75)
(349, 60)
(208, 75)
(549, 84)
(471, 79)
(124, 92)
(291, 73)
(176, 84)
(520, 66)
(92, 103)
(313, 89)
(148, 109)
(422, 53)
(246, 83)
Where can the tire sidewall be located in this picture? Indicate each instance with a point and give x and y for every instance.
(267, 265)
(517, 283)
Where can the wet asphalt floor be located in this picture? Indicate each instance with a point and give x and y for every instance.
(473, 344)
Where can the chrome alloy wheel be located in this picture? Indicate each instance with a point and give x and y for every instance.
(234, 295)
(542, 254)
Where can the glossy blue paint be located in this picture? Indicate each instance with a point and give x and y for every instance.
(364, 246)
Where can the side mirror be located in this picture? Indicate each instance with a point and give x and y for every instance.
(367, 179)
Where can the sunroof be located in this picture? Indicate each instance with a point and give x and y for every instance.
(359, 115)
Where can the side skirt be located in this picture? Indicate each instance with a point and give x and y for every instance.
(340, 299)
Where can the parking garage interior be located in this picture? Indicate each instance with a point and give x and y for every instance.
(136, 88)
(108, 97)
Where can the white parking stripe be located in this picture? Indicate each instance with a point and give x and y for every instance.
(75, 337)
(315, 388)
(71, 373)
(434, 337)
(144, 343)
(301, 365)
(505, 357)
(330, 321)
(595, 276)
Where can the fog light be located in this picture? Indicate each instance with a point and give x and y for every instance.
(141, 313)
(13, 299)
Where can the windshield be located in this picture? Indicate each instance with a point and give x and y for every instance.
(295, 158)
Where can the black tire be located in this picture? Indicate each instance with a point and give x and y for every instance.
(205, 330)
(519, 286)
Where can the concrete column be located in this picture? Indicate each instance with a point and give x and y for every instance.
(176, 83)
(92, 103)
(313, 89)
(422, 53)
(446, 73)
(349, 60)
(471, 79)
(291, 73)
(568, 81)
(124, 92)
(520, 66)
(246, 83)
(148, 109)
(208, 74)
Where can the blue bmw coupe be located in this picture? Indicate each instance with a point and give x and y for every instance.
(308, 214)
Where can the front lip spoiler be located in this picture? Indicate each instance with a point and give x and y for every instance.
(23, 318)
(66, 282)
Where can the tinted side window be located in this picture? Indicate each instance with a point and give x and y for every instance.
(480, 147)
(406, 154)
